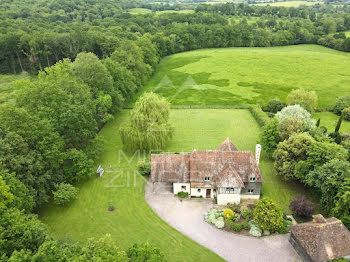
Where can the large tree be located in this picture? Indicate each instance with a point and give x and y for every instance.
(301, 95)
(148, 128)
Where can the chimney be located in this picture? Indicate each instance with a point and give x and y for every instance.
(257, 153)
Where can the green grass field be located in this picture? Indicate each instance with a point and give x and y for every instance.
(329, 120)
(233, 76)
(291, 3)
(139, 11)
(133, 220)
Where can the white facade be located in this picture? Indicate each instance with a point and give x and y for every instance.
(224, 199)
(195, 191)
(182, 187)
(250, 196)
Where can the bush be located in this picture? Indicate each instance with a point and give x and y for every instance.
(268, 215)
(304, 105)
(301, 207)
(270, 137)
(236, 227)
(274, 106)
(182, 194)
(144, 167)
(346, 113)
(64, 194)
(258, 114)
(340, 104)
(234, 207)
(236, 218)
(308, 98)
(246, 225)
(297, 112)
(228, 213)
(247, 214)
(219, 224)
(228, 223)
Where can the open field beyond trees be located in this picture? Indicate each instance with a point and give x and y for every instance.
(232, 76)
(291, 3)
(133, 220)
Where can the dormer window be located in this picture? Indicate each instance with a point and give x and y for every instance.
(252, 179)
(207, 179)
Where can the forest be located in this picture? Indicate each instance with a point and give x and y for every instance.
(88, 58)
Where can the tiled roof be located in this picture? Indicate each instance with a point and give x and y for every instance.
(224, 168)
(323, 239)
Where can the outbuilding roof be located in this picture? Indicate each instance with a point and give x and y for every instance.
(323, 239)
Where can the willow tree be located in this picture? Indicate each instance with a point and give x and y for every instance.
(148, 128)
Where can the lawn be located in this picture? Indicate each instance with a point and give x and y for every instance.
(329, 120)
(133, 220)
(232, 76)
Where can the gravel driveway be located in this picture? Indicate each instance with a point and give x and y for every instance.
(187, 217)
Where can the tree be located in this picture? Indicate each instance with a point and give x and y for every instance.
(301, 95)
(64, 194)
(22, 199)
(328, 179)
(290, 152)
(346, 113)
(302, 207)
(6, 197)
(145, 253)
(342, 202)
(297, 112)
(289, 127)
(148, 128)
(274, 106)
(340, 104)
(270, 136)
(268, 215)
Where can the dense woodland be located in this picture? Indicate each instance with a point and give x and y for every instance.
(91, 57)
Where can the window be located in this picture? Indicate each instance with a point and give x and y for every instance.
(183, 187)
(250, 191)
(229, 190)
(252, 179)
(214, 190)
(198, 190)
(206, 179)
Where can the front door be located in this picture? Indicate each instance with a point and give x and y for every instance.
(208, 193)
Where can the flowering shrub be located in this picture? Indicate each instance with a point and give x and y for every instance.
(228, 213)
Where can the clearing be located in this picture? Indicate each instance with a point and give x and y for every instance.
(231, 76)
(133, 220)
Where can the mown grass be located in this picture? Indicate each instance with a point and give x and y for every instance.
(330, 120)
(232, 76)
(133, 221)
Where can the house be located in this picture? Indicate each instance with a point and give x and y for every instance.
(321, 240)
(225, 173)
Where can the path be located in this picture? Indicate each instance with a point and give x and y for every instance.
(187, 217)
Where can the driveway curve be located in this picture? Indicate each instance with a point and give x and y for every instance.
(187, 217)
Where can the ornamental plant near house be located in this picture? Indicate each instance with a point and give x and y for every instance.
(228, 213)
(268, 215)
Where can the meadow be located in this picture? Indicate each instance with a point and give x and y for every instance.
(291, 3)
(133, 220)
(330, 120)
(237, 76)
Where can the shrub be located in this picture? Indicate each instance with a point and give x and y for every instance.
(246, 225)
(297, 112)
(301, 207)
(303, 96)
(268, 215)
(274, 106)
(64, 194)
(236, 218)
(228, 213)
(289, 127)
(228, 223)
(340, 104)
(270, 137)
(236, 227)
(247, 214)
(144, 167)
(182, 194)
(258, 114)
(219, 224)
(304, 105)
(346, 113)
(234, 207)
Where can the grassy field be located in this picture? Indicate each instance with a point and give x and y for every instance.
(232, 76)
(133, 220)
(139, 11)
(6, 84)
(291, 3)
(329, 120)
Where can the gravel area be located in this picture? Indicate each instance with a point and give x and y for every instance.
(187, 216)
